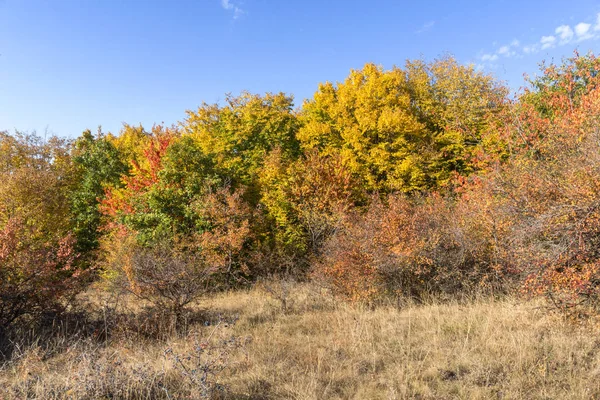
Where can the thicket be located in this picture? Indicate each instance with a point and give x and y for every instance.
(427, 179)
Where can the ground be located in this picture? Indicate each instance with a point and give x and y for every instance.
(246, 345)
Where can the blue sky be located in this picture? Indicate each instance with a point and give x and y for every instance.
(68, 65)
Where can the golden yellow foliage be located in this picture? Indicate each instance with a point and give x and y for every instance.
(404, 130)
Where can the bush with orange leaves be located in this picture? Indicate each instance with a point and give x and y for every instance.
(413, 247)
(552, 182)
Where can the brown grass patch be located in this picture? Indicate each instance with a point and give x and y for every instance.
(320, 349)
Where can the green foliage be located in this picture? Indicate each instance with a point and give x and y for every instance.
(174, 230)
(99, 167)
(157, 199)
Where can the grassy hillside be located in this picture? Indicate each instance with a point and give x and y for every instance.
(246, 345)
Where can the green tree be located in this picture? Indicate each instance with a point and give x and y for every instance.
(175, 230)
(100, 167)
(157, 199)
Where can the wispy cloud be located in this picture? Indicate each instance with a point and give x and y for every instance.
(507, 50)
(229, 5)
(426, 26)
(582, 30)
(562, 35)
(548, 42)
(489, 57)
(565, 33)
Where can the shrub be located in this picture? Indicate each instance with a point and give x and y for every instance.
(412, 247)
(168, 275)
(172, 271)
(36, 276)
(99, 166)
(552, 184)
(39, 267)
(307, 199)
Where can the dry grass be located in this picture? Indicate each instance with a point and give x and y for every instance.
(249, 348)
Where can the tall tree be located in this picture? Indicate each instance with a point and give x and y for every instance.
(239, 135)
(400, 129)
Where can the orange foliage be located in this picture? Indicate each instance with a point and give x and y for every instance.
(229, 218)
(410, 247)
(551, 184)
(142, 176)
(35, 275)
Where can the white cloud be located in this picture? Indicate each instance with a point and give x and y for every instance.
(582, 30)
(504, 50)
(230, 6)
(489, 57)
(507, 51)
(565, 33)
(547, 41)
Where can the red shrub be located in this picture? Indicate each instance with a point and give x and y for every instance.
(35, 275)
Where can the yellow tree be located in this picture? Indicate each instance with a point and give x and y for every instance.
(132, 141)
(239, 135)
(307, 199)
(405, 129)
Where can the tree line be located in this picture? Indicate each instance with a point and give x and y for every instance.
(425, 179)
